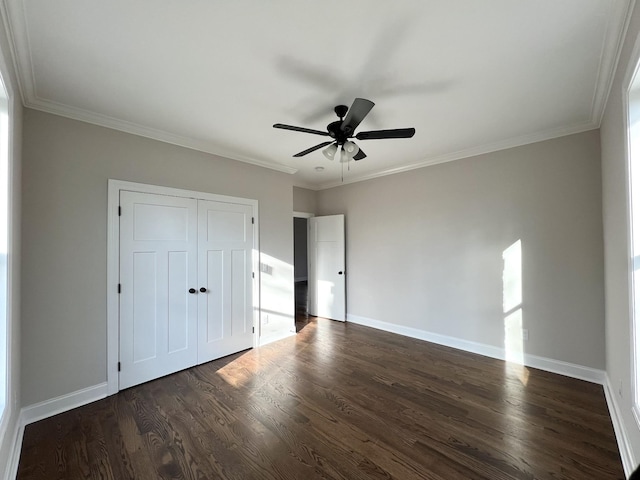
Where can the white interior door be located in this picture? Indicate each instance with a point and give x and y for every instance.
(225, 309)
(158, 266)
(327, 292)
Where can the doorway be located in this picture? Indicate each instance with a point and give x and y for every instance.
(301, 268)
(319, 267)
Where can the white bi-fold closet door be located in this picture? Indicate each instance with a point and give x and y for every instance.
(185, 283)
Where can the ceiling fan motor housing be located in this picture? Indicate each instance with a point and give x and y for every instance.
(335, 130)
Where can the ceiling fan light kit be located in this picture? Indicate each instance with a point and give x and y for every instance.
(342, 130)
(351, 148)
(330, 151)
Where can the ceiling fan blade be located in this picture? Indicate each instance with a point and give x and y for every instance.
(360, 155)
(312, 149)
(301, 129)
(359, 109)
(380, 134)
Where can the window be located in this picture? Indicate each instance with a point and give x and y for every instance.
(633, 172)
(4, 244)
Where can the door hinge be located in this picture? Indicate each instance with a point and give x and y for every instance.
(253, 220)
(119, 211)
(119, 288)
(118, 366)
(253, 329)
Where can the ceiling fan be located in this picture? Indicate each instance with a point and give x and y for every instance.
(342, 130)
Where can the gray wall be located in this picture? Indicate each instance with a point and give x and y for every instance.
(300, 248)
(66, 168)
(10, 420)
(304, 200)
(614, 192)
(424, 248)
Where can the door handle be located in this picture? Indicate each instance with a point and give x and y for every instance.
(203, 290)
(192, 290)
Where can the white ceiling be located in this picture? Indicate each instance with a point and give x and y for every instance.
(214, 75)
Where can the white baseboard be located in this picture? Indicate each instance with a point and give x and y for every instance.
(45, 409)
(63, 403)
(624, 446)
(16, 447)
(567, 369)
(550, 365)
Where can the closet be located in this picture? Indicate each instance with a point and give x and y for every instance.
(185, 281)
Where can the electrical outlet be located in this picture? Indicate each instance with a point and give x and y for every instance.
(525, 334)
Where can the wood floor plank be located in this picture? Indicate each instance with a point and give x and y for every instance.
(336, 402)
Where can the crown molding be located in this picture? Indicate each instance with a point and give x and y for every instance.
(302, 184)
(470, 152)
(14, 20)
(617, 26)
(142, 131)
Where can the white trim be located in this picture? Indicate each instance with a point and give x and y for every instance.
(303, 215)
(624, 446)
(617, 27)
(16, 27)
(113, 275)
(6, 394)
(298, 182)
(257, 277)
(63, 403)
(113, 255)
(470, 152)
(46, 409)
(9, 417)
(550, 365)
(5, 423)
(13, 458)
(629, 78)
(16, 21)
(148, 132)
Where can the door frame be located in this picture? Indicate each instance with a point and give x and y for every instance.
(113, 261)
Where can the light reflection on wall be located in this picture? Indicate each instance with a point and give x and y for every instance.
(512, 308)
(276, 297)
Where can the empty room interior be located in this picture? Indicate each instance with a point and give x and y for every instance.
(339, 240)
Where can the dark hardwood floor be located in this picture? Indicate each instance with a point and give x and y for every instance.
(338, 401)
(302, 305)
